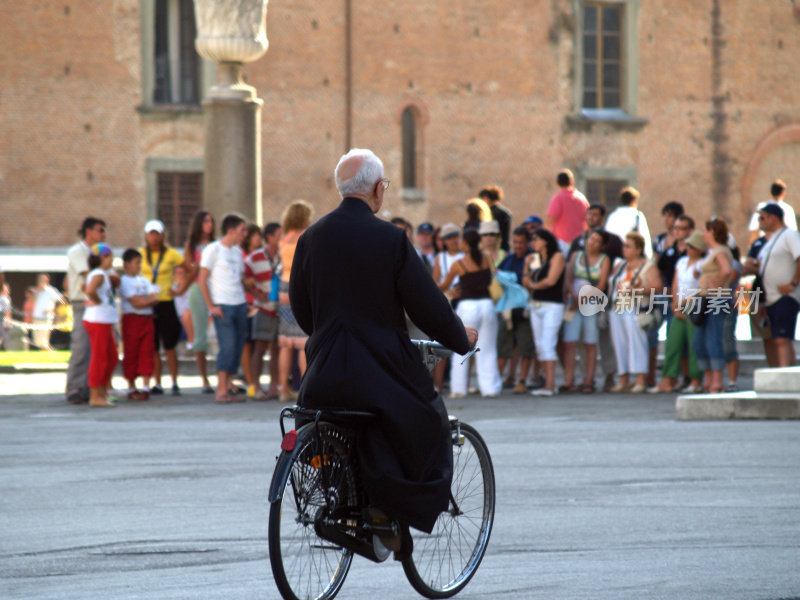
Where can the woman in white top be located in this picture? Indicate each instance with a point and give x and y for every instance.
(98, 319)
(680, 331)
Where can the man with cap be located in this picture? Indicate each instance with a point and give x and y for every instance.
(532, 223)
(425, 246)
(777, 192)
(778, 266)
(158, 265)
(92, 231)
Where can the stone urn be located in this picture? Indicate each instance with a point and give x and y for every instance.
(231, 33)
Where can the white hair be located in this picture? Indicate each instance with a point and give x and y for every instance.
(368, 173)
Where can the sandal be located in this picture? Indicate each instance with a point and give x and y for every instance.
(567, 389)
(588, 388)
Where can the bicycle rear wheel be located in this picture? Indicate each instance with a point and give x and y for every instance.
(304, 565)
(444, 561)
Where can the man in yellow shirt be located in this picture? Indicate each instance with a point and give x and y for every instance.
(158, 264)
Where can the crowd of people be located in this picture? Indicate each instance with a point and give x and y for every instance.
(590, 291)
(238, 281)
(577, 287)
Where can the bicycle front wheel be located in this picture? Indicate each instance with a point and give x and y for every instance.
(304, 565)
(444, 561)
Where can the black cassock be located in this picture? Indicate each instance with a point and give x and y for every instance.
(352, 277)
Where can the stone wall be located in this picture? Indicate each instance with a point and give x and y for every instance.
(492, 81)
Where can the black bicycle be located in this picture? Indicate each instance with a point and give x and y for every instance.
(318, 515)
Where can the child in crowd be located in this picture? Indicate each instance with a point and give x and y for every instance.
(99, 318)
(138, 330)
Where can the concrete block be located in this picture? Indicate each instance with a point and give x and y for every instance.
(783, 379)
(739, 405)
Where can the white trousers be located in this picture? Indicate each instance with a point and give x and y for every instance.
(480, 315)
(630, 342)
(546, 320)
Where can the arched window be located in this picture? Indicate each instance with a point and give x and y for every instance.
(409, 127)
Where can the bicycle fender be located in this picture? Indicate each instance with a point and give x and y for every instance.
(279, 477)
(284, 465)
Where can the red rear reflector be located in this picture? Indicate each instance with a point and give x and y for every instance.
(289, 440)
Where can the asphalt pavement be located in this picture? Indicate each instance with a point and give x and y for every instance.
(602, 496)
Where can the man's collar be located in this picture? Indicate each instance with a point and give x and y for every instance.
(355, 203)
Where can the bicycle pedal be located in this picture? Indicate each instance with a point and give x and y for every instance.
(387, 529)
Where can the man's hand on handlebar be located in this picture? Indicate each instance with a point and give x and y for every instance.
(472, 336)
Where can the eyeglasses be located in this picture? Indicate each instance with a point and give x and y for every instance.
(681, 227)
(385, 183)
(100, 230)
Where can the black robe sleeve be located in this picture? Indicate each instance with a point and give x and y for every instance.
(425, 303)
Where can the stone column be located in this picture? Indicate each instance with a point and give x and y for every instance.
(231, 33)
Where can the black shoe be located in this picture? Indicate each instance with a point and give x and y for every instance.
(156, 390)
(176, 390)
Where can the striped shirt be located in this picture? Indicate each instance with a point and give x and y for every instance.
(261, 267)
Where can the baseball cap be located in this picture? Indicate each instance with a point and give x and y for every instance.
(154, 225)
(425, 228)
(489, 227)
(449, 230)
(533, 219)
(772, 208)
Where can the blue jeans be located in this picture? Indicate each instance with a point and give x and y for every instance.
(231, 335)
(707, 343)
(729, 335)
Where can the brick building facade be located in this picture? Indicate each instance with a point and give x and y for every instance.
(688, 100)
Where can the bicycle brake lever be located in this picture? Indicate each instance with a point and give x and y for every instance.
(469, 354)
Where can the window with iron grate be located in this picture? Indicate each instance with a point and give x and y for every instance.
(180, 196)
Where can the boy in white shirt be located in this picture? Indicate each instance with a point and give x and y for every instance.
(138, 330)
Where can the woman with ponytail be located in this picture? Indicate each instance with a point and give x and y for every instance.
(476, 309)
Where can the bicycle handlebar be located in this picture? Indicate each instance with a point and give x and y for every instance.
(432, 352)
